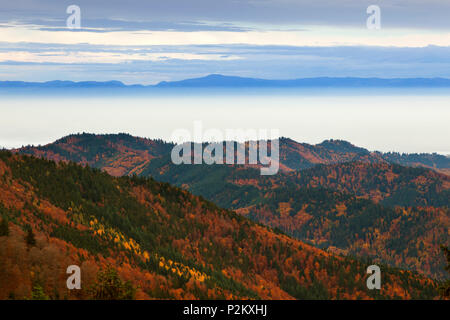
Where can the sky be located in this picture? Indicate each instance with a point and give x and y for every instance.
(145, 42)
(151, 41)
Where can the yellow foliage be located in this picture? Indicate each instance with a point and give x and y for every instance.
(181, 270)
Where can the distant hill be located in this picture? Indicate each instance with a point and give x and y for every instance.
(123, 154)
(217, 80)
(164, 243)
(223, 81)
(63, 84)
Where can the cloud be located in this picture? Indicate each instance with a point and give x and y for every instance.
(83, 57)
(119, 24)
(138, 14)
(313, 37)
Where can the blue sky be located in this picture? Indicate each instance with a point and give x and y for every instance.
(151, 41)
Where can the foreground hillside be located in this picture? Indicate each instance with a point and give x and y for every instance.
(333, 195)
(166, 242)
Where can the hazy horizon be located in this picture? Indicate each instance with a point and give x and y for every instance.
(379, 121)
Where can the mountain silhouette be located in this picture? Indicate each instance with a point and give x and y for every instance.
(224, 81)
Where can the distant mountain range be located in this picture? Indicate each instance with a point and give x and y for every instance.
(223, 81)
(216, 80)
(65, 84)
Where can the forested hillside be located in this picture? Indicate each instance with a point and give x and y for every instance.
(157, 241)
(334, 195)
(391, 213)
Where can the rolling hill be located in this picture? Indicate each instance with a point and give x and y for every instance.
(334, 195)
(111, 151)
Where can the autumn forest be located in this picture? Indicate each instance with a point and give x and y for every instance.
(141, 227)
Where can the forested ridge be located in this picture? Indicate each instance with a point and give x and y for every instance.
(122, 153)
